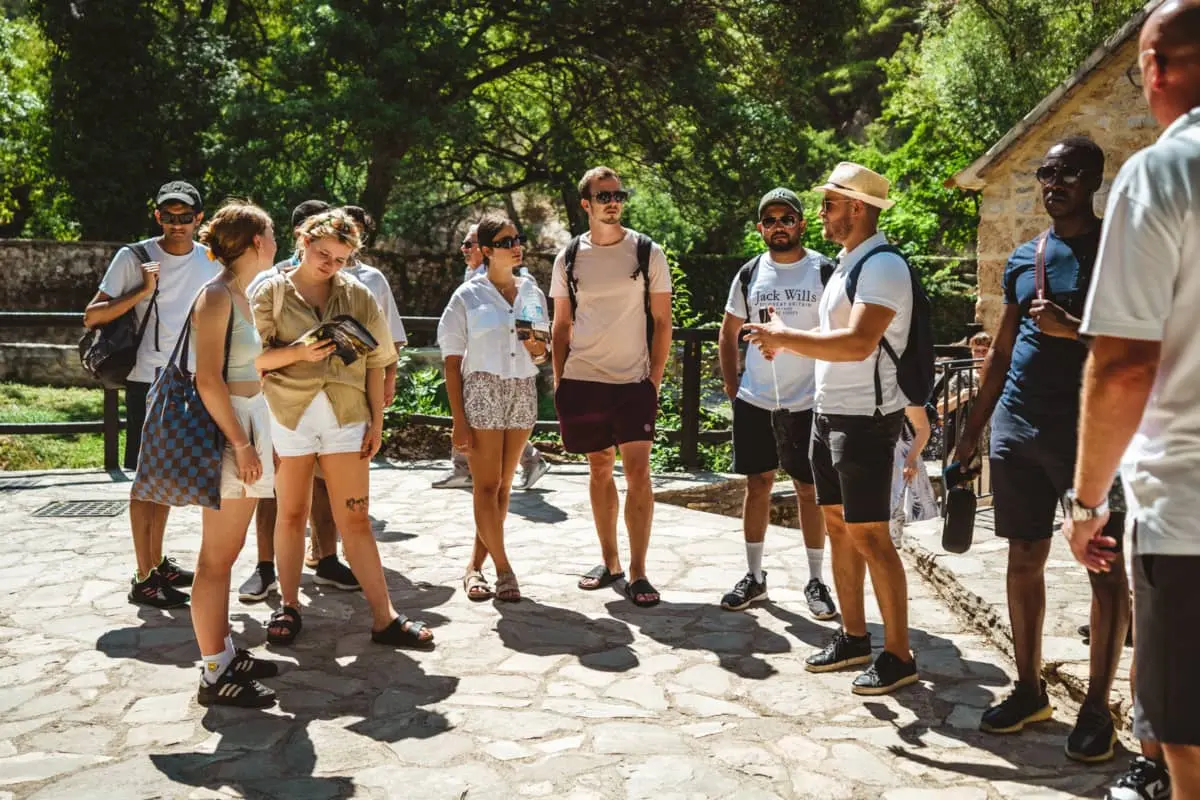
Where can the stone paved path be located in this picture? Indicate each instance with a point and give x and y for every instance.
(566, 695)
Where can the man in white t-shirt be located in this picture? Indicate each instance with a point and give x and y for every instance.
(773, 402)
(610, 287)
(1140, 390)
(533, 465)
(163, 285)
(860, 409)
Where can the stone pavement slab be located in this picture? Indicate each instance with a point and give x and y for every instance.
(567, 694)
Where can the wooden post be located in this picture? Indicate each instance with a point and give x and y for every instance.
(112, 430)
(689, 412)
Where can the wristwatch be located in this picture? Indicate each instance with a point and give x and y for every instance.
(1078, 512)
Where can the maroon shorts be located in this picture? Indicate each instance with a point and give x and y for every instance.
(594, 416)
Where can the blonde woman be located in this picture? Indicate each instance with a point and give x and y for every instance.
(326, 411)
(227, 344)
(491, 381)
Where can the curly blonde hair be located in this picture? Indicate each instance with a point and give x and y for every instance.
(230, 232)
(333, 224)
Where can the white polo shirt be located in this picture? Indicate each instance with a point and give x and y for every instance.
(1147, 287)
(480, 325)
(848, 387)
(377, 282)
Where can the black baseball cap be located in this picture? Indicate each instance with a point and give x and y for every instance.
(179, 192)
(784, 197)
(309, 208)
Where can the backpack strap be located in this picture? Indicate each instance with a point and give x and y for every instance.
(827, 267)
(644, 247)
(852, 289)
(143, 256)
(1039, 265)
(746, 278)
(572, 283)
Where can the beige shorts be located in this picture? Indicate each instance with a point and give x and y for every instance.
(255, 419)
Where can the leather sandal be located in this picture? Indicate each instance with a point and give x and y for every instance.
(507, 589)
(476, 587)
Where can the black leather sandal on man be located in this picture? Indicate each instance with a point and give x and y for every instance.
(404, 632)
(641, 593)
(598, 578)
(288, 619)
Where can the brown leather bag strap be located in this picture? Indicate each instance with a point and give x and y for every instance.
(1039, 266)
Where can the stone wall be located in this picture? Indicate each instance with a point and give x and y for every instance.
(1105, 107)
(43, 364)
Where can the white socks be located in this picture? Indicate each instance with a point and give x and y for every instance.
(816, 560)
(754, 555)
(214, 666)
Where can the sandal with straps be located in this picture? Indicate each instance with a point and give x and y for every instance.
(476, 586)
(404, 632)
(507, 589)
(287, 618)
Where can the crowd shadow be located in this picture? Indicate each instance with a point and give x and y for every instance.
(532, 505)
(738, 640)
(530, 627)
(158, 640)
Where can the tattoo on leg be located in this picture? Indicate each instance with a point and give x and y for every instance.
(356, 503)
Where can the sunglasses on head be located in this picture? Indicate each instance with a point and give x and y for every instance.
(787, 221)
(186, 218)
(1067, 176)
(508, 242)
(604, 198)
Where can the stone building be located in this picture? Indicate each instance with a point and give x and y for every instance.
(1097, 101)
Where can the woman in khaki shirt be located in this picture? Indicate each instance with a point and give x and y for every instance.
(328, 411)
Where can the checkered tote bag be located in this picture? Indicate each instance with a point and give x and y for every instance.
(180, 460)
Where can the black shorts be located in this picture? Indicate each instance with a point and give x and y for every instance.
(1167, 605)
(852, 461)
(135, 417)
(594, 416)
(763, 441)
(1031, 471)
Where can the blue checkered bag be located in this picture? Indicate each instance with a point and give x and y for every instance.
(180, 460)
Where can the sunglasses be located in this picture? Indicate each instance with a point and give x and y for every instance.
(828, 205)
(787, 221)
(468, 244)
(1067, 176)
(604, 198)
(186, 218)
(508, 242)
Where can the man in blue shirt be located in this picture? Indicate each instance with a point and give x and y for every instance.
(1032, 377)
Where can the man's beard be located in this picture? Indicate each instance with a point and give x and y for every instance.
(782, 246)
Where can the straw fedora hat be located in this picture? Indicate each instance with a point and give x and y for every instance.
(855, 180)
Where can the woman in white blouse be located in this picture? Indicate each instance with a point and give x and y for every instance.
(491, 372)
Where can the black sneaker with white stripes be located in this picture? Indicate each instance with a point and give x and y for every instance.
(174, 574)
(1144, 780)
(245, 665)
(155, 592)
(747, 591)
(820, 602)
(235, 690)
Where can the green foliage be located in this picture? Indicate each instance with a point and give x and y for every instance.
(418, 391)
(665, 455)
(24, 403)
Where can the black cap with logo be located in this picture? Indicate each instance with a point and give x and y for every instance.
(179, 192)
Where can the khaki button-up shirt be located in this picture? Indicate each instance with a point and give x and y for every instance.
(282, 315)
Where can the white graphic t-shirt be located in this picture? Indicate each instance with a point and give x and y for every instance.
(795, 292)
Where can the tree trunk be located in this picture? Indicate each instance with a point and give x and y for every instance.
(381, 175)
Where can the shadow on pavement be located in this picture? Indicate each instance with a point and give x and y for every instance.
(600, 644)
(532, 505)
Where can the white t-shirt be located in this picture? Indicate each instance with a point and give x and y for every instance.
(377, 282)
(795, 292)
(479, 325)
(848, 387)
(1147, 287)
(180, 279)
(608, 339)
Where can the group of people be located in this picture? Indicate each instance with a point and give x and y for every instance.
(821, 396)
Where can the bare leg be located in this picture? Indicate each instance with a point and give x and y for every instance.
(293, 486)
(639, 504)
(603, 493)
(756, 507)
(1110, 622)
(812, 521)
(1183, 763)
(264, 529)
(849, 572)
(224, 533)
(1027, 605)
(488, 468)
(874, 545)
(148, 523)
(323, 541)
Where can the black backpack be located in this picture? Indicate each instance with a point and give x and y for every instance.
(747, 271)
(108, 352)
(644, 244)
(914, 369)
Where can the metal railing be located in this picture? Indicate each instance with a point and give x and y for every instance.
(959, 384)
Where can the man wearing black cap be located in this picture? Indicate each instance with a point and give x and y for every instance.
(158, 276)
(773, 400)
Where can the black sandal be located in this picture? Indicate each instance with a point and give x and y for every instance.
(403, 632)
(602, 577)
(641, 587)
(288, 618)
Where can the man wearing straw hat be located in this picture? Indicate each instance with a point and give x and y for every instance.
(866, 308)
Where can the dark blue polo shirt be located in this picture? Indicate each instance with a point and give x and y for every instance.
(1046, 372)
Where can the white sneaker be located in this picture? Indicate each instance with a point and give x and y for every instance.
(534, 473)
(453, 480)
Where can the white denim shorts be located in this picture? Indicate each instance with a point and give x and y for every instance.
(317, 432)
(255, 418)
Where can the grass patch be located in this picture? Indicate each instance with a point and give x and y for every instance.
(23, 403)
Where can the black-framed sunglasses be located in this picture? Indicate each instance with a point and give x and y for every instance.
(467, 244)
(508, 242)
(1067, 176)
(186, 218)
(604, 198)
(1134, 73)
(787, 221)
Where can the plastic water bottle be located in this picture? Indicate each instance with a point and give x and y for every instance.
(529, 304)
